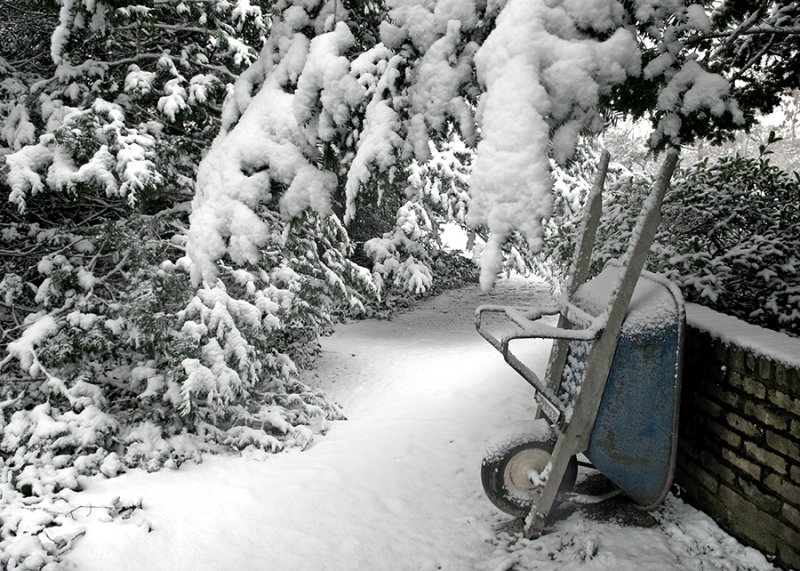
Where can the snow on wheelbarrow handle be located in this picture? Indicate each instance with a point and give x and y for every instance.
(527, 325)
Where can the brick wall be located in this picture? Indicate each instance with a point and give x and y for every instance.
(739, 444)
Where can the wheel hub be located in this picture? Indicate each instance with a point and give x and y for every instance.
(523, 473)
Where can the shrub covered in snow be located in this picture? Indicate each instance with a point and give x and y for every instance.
(111, 359)
(729, 235)
(115, 363)
(407, 257)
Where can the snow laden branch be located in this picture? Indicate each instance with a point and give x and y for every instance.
(330, 115)
(541, 76)
(125, 79)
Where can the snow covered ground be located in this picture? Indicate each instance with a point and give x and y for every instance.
(394, 487)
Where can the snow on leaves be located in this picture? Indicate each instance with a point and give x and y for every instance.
(121, 166)
(399, 255)
(135, 86)
(356, 106)
(691, 90)
(729, 236)
(543, 73)
(18, 130)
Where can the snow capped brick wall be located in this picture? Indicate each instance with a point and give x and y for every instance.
(739, 445)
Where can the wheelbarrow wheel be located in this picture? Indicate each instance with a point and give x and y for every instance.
(511, 473)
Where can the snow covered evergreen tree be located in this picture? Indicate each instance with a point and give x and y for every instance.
(110, 359)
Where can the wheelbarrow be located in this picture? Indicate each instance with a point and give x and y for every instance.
(612, 386)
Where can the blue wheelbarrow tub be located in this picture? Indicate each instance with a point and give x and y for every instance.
(634, 439)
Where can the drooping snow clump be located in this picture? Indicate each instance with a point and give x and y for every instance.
(541, 74)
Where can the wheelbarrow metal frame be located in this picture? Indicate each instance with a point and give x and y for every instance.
(575, 430)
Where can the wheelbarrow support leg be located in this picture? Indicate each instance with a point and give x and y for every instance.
(575, 437)
(579, 271)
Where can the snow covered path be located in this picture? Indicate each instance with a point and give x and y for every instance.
(396, 486)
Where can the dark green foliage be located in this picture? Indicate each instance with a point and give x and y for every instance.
(452, 270)
(753, 45)
(762, 55)
(729, 236)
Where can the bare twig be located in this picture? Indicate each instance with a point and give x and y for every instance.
(20, 307)
(71, 513)
(11, 402)
(753, 32)
(116, 268)
(754, 59)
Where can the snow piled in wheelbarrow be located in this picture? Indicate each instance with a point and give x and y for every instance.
(765, 342)
(652, 306)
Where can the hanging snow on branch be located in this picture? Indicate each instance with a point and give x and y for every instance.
(373, 113)
(345, 100)
(541, 75)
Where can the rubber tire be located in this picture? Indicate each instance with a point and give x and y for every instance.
(493, 470)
